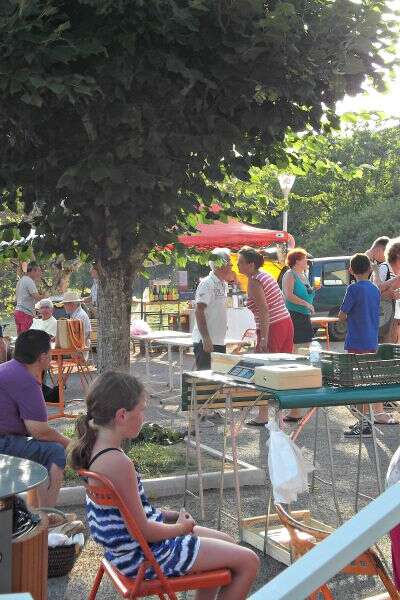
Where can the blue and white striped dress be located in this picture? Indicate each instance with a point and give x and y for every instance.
(175, 556)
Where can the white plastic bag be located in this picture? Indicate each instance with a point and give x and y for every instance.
(139, 327)
(288, 467)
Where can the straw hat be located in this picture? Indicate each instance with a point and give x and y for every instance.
(70, 296)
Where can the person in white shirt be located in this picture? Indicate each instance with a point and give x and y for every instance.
(74, 310)
(211, 316)
(47, 323)
(26, 295)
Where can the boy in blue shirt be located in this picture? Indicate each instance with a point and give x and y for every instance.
(360, 307)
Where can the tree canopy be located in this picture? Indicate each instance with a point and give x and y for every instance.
(117, 116)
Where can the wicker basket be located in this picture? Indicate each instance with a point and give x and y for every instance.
(61, 560)
(355, 370)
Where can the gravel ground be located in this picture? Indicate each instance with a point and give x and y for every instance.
(252, 448)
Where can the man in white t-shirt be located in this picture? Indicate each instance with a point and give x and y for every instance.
(211, 316)
(47, 323)
(26, 295)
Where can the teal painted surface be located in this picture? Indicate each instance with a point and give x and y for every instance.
(331, 396)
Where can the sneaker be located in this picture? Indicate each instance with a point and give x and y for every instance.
(356, 430)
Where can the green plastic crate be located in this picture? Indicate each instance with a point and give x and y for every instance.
(355, 370)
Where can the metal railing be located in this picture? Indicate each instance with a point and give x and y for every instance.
(338, 550)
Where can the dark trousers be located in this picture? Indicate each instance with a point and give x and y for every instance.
(203, 359)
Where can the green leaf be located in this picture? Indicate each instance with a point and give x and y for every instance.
(57, 88)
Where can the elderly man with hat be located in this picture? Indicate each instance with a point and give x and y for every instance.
(47, 323)
(74, 310)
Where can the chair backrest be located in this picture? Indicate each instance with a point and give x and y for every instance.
(302, 536)
(105, 494)
(249, 334)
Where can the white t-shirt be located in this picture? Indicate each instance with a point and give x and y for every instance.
(24, 290)
(83, 316)
(47, 325)
(212, 292)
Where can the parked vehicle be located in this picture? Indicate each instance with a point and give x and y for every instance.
(330, 277)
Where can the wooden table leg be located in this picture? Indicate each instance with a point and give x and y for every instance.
(6, 520)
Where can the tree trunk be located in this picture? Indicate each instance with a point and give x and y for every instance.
(114, 314)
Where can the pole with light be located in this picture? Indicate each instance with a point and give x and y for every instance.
(286, 182)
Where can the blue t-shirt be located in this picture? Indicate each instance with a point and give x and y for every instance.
(361, 305)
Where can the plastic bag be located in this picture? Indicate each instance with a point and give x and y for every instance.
(139, 327)
(288, 467)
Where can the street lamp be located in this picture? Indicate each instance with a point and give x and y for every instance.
(286, 182)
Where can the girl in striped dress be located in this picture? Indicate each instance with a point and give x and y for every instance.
(266, 301)
(115, 412)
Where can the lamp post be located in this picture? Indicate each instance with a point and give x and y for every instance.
(286, 182)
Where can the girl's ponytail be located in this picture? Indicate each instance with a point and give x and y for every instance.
(108, 393)
(80, 450)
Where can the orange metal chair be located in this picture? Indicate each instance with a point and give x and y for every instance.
(105, 494)
(368, 563)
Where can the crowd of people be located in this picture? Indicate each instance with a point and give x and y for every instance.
(116, 401)
(371, 308)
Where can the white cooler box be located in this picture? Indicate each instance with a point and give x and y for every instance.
(288, 377)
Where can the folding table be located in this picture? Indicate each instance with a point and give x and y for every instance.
(148, 338)
(184, 343)
(224, 390)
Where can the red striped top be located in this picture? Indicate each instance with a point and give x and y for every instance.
(274, 297)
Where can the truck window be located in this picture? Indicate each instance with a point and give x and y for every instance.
(335, 273)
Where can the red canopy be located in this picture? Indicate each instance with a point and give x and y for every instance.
(234, 235)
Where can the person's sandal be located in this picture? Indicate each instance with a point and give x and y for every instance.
(253, 423)
(290, 419)
(391, 420)
(56, 517)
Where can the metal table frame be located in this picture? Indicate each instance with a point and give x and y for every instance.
(227, 385)
(277, 400)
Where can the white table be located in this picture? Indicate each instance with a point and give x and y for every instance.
(184, 343)
(153, 336)
(238, 321)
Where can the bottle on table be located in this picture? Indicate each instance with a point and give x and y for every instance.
(315, 350)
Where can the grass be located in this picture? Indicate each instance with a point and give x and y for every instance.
(155, 460)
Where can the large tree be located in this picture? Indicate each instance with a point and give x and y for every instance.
(117, 115)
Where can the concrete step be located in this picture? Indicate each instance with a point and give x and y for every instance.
(384, 596)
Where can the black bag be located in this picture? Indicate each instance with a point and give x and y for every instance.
(23, 519)
(51, 394)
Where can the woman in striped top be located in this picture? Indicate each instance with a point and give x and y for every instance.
(115, 412)
(266, 301)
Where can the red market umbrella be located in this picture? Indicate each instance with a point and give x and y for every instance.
(234, 235)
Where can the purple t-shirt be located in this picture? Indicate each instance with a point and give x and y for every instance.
(21, 398)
